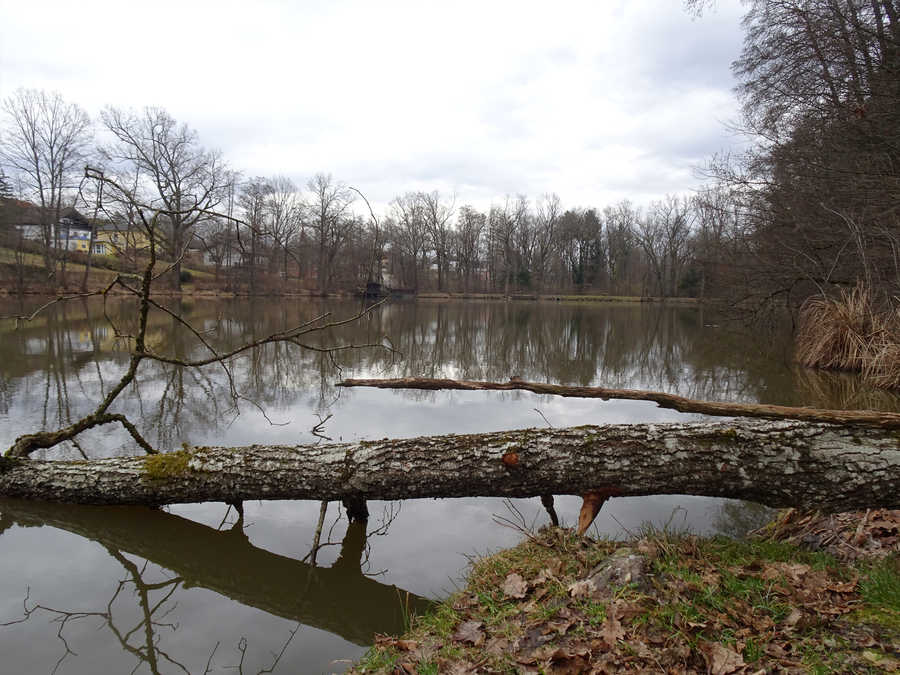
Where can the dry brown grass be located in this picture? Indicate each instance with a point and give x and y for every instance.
(852, 333)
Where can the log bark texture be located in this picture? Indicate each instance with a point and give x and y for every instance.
(885, 420)
(779, 463)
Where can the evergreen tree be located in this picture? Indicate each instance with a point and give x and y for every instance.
(6, 191)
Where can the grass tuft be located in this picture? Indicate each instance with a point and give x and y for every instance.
(851, 333)
(881, 585)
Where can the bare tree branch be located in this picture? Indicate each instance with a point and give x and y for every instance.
(885, 420)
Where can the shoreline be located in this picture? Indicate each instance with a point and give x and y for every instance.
(430, 296)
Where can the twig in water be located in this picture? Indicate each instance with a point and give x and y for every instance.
(520, 526)
(209, 660)
(542, 415)
(278, 656)
(320, 427)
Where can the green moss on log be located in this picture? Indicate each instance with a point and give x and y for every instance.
(167, 465)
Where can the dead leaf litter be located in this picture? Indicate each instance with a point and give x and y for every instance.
(672, 604)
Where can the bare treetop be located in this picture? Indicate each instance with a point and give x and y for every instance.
(45, 142)
(177, 175)
(329, 219)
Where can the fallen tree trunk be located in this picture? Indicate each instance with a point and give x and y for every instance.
(885, 420)
(779, 463)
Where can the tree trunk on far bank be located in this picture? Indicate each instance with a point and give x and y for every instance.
(778, 463)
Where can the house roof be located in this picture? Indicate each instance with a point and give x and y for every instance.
(111, 226)
(16, 203)
(75, 216)
(20, 212)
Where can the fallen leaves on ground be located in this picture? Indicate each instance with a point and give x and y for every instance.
(471, 632)
(663, 604)
(515, 586)
(720, 660)
(852, 535)
(402, 645)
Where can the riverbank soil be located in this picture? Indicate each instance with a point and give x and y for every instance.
(669, 603)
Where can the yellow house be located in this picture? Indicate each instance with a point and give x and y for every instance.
(112, 240)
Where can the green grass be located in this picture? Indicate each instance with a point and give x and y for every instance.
(440, 622)
(882, 584)
(98, 266)
(880, 589)
(376, 660)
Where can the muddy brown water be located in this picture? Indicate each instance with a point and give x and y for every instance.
(197, 589)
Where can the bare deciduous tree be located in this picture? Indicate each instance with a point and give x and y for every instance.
(328, 211)
(437, 222)
(283, 214)
(252, 203)
(185, 180)
(549, 210)
(470, 228)
(45, 141)
(503, 229)
(621, 247)
(411, 235)
(663, 235)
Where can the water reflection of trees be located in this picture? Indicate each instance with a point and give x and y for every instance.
(64, 362)
(343, 599)
(142, 640)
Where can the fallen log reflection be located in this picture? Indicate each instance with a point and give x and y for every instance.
(339, 599)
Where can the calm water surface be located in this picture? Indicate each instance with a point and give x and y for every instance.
(196, 589)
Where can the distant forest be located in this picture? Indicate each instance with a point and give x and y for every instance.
(810, 207)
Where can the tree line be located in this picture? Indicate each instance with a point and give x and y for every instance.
(254, 230)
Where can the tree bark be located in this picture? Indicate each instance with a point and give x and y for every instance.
(778, 463)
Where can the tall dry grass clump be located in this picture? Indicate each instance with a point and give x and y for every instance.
(852, 333)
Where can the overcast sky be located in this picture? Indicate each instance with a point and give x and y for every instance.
(597, 101)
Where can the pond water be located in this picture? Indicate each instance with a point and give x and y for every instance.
(197, 589)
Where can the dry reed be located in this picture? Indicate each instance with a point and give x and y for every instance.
(852, 333)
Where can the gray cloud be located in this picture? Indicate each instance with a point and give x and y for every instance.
(595, 101)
